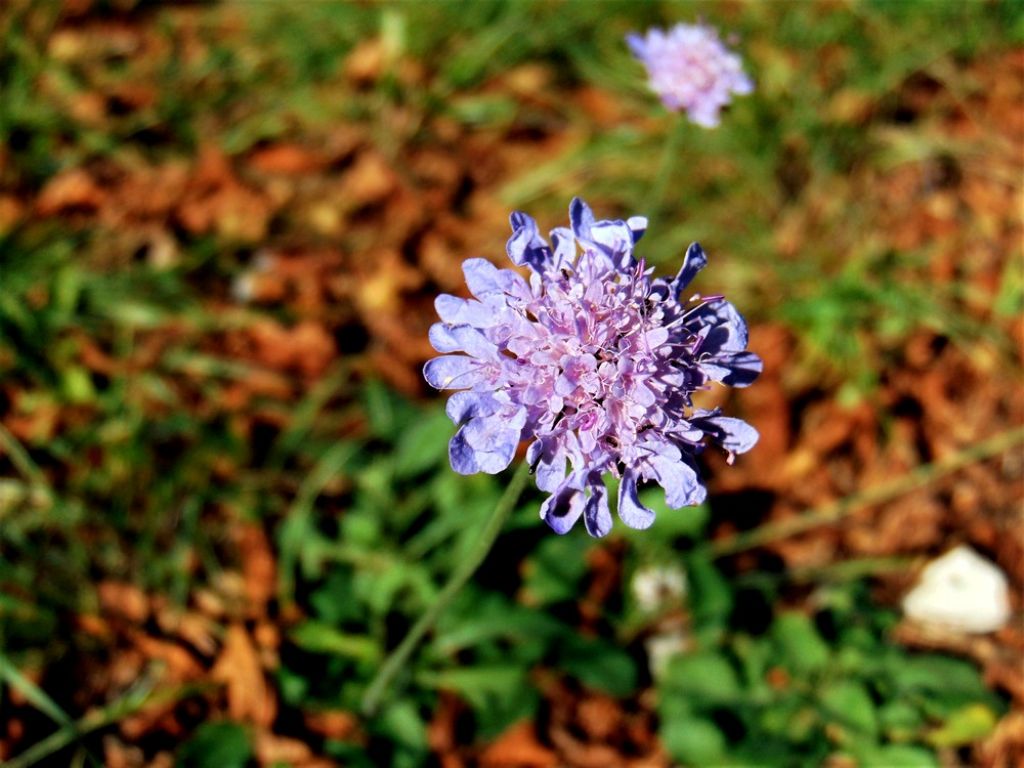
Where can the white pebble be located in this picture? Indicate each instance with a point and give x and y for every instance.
(960, 590)
(655, 586)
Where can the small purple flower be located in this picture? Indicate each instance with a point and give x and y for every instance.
(690, 68)
(595, 362)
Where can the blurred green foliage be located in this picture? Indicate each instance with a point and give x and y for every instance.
(764, 683)
(796, 687)
(365, 528)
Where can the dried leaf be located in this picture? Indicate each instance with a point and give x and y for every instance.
(238, 667)
(518, 747)
(124, 600)
(332, 724)
(259, 569)
(71, 191)
(286, 159)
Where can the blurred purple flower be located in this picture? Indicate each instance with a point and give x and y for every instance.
(690, 68)
(593, 361)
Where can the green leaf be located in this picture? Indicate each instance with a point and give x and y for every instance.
(402, 723)
(485, 110)
(294, 687)
(940, 685)
(693, 740)
(966, 725)
(711, 598)
(216, 745)
(447, 491)
(755, 657)
(706, 677)
(799, 645)
(599, 665)
(897, 756)
(937, 674)
(848, 703)
(777, 720)
(554, 572)
(423, 445)
(900, 720)
(361, 528)
(318, 637)
(67, 287)
(479, 618)
(478, 684)
(76, 385)
(380, 591)
(332, 601)
(388, 412)
(499, 694)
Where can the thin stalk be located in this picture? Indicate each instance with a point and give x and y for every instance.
(23, 462)
(32, 693)
(843, 570)
(127, 705)
(667, 166)
(465, 569)
(879, 494)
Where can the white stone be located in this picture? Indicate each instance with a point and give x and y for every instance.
(960, 590)
(243, 288)
(656, 586)
(663, 646)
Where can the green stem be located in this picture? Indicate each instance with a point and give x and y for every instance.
(667, 166)
(32, 693)
(130, 703)
(465, 569)
(879, 494)
(22, 461)
(840, 571)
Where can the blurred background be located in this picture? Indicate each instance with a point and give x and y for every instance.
(224, 489)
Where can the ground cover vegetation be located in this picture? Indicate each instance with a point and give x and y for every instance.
(224, 485)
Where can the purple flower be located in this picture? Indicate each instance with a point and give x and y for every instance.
(690, 68)
(593, 361)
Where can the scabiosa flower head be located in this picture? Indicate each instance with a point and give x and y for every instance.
(691, 69)
(594, 362)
